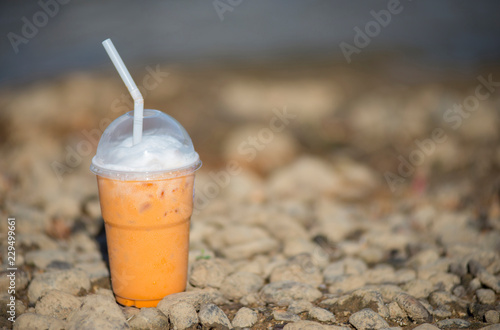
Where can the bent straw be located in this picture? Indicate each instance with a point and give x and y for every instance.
(132, 88)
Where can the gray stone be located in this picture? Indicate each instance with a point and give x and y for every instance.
(422, 258)
(195, 298)
(418, 288)
(321, 314)
(183, 316)
(415, 310)
(284, 293)
(70, 281)
(247, 250)
(245, 318)
(484, 276)
(212, 317)
(22, 280)
(285, 316)
(240, 284)
(57, 304)
(299, 306)
(346, 283)
(98, 312)
(208, 273)
(42, 258)
(149, 318)
(492, 316)
(395, 312)
(492, 327)
(444, 281)
(367, 319)
(300, 268)
(440, 298)
(486, 296)
(311, 325)
(38, 322)
(95, 270)
(380, 274)
(453, 324)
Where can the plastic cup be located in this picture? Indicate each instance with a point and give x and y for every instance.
(146, 197)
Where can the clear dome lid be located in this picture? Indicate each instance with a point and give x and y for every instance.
(165, 149)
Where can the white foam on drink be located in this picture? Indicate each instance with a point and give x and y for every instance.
(153, 153)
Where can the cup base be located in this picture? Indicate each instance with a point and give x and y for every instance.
(137, 303)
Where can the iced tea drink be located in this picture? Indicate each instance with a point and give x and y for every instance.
(147, 232)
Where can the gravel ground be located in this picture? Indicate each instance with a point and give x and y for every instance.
(307, 235)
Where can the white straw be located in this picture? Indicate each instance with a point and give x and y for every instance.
(132, 88)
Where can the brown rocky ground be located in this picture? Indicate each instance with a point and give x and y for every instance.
(374, 205)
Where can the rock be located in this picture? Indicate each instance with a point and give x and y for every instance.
(240, 284)
(346, 283)
(98, 312)
(415, 310)
(381, 273)
(492, 327)
(321, 314)
(484, 276)
(213, 317)
(492, 316)
(42, 258)
(195, 298)
(96, 270)
(423, 258)
(208, 273)
(247, 250)
(441, 298)
(367, 319)
(444, 281)
(395, 312)
(486, 296)
(404, 276)
(284, 227)
(285, 316)
(475, 284)
(38, 322)
(70, 281)
(426, 326)
(299, 306)
(310, 325)
(453, 324)
(183, 316)
(418, 288)
(300, 268)
(284, 293)
(245, 318)
(57, 304)
(22, 280)
(149, 318)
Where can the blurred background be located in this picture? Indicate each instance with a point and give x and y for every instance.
(366, 82)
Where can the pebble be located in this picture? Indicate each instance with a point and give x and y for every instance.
(440, 298)
(311, 325)
(492, 327)
(22, 280)
(212, 317)
(418, 288)
(38, 322)
(42, 258)
(97, 312)
(70, 281)
(240, 284)
(208, 273)
(96, 270)
(300, 268)
(183, 315)
(195, 298)
(415, 310)
(492, 316)
(245, 318)
(149, 318)
(321, 314)
(346, 283)
(300, 306)
(395, 312)
(285, 316)
(453, 324)
(284, 293)
(248, 250)
(444, 281)
(484, 276)
(367, 319)
(57, 304)
(486, 296)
